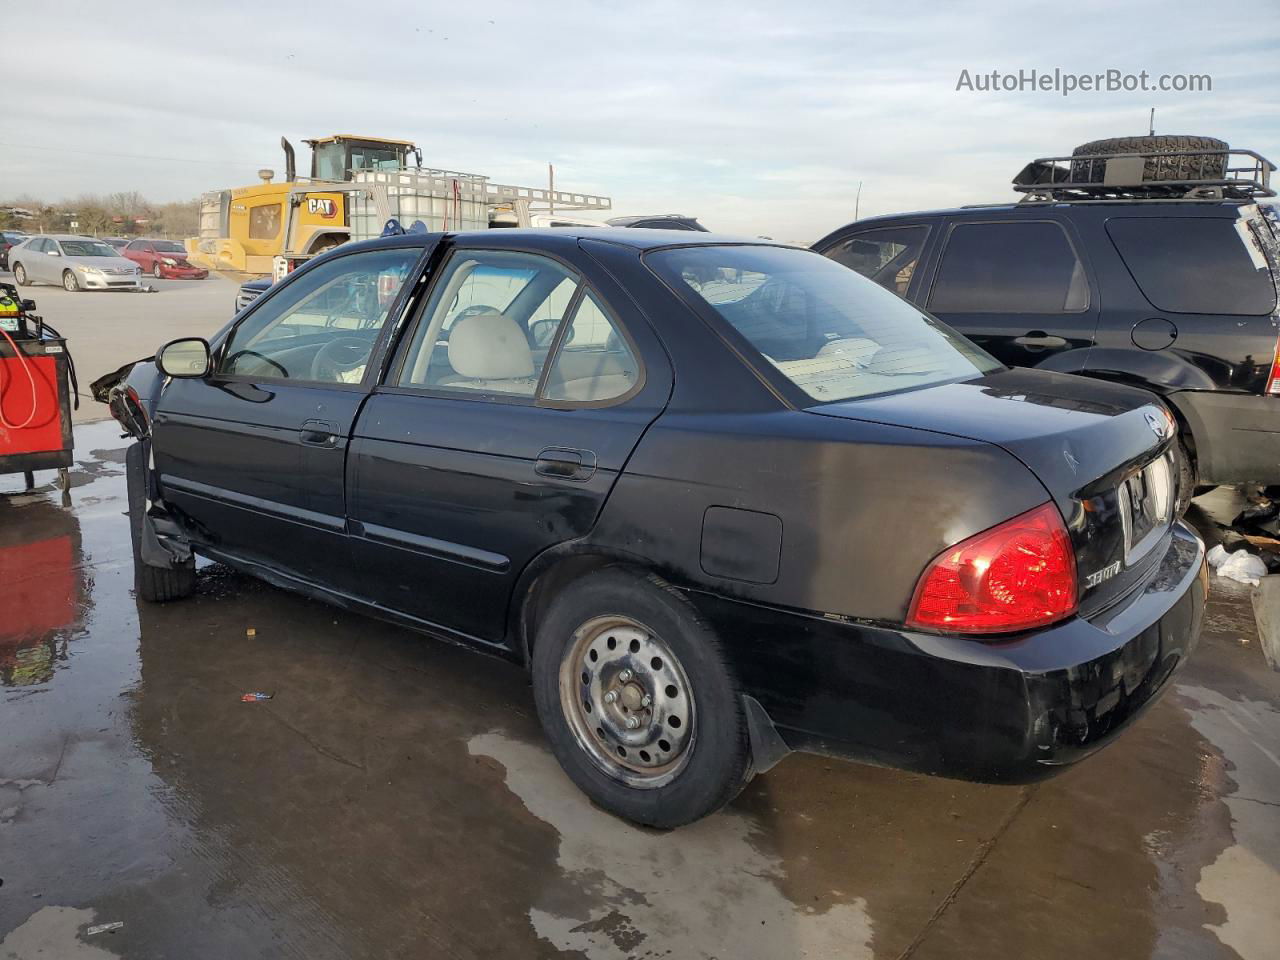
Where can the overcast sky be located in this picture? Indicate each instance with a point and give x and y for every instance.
(757, 118)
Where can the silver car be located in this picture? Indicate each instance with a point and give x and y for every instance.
(74, 263)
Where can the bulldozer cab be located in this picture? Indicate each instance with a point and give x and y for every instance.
(336, 157)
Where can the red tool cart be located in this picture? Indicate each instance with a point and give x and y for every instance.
(37, 379)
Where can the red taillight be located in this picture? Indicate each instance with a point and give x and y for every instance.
(1273, 380)
(1016, 576)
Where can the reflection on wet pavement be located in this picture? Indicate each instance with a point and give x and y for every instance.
(394, 798)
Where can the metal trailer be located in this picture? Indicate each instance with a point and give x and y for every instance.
(443, 200)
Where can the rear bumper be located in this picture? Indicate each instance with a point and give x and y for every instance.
(994, 712)
(1237, 435)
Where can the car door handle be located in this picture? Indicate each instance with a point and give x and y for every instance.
(319, 433)
(565, 463)
(1039, 340)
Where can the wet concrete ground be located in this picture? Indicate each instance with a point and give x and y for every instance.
(395, 798)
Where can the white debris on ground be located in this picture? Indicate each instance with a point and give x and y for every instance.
(1241, 566)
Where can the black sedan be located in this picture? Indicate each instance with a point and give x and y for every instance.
(724, 499)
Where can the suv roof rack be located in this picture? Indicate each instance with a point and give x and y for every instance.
(1145, 175)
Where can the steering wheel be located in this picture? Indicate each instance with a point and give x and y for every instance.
(340, 356)
(231, 361)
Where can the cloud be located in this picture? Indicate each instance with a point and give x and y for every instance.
(756, 118)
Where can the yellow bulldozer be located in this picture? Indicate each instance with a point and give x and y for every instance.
(245, 228)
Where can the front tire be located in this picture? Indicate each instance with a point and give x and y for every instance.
(19, 274)
(69, 281)
(637, 700)
(1188, 485)
(155, 270)
(153, 584)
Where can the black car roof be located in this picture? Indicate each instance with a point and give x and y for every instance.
(635, 239)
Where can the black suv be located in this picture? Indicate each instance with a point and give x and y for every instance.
(1149, 261)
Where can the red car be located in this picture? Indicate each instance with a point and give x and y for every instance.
(164, 259)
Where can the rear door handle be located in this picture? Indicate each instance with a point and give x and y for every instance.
(566, 463)
(1039, 340)
(319, 433)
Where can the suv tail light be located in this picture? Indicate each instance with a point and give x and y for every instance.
(1015, 576)
(1273, 379)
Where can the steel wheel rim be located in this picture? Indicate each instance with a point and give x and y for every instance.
(618, 672)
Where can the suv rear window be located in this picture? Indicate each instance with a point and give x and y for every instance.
(1193, 265)
(1009, 267)
(832, 333)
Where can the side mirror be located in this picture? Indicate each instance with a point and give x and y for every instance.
(544, 331)
(53, 253)
(186, 358)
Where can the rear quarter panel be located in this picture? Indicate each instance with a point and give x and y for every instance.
(861, 507)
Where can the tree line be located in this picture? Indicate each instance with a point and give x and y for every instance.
(123, 214)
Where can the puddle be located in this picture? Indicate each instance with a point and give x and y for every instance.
(702, 891)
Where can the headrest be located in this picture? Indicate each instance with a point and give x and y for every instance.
(489, 346)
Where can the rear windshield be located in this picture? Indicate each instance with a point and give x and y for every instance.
(1195, 264)
(832, 333)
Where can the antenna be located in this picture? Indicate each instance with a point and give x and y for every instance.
(1151, 125)
(857, 201)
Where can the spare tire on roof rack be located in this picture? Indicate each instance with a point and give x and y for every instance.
(1156, 150)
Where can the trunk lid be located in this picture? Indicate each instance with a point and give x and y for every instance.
(1103, 452)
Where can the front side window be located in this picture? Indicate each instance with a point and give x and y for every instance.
(264, 222)
(331, 161)
(830, 332)
(321, 327)
(1194, 264)
(1010, 267)
(888, 256)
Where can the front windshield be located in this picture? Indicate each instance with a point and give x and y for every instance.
(169, 246)
(87, 248)
(832, 333)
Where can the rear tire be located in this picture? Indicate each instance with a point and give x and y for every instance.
(690, 753)
(19, 274)
(1210, 165)
(69, 281)
(153, 584)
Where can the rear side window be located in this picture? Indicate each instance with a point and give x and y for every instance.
(1024, 267)
(1193, 265)
(888, 256)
